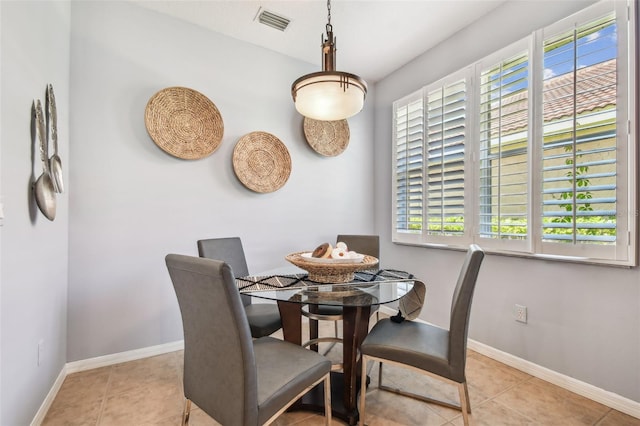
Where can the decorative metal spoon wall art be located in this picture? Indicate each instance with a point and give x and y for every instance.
(43, 187)
(55, 163)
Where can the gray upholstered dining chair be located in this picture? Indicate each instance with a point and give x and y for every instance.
(230, 376)
(427, 348)
(363, 244)
(264, 318)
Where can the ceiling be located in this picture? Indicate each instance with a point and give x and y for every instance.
(373, 37)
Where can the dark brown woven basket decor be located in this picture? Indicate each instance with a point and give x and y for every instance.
(333, 273)
(328, 138)
(184, 123)
(261, 162)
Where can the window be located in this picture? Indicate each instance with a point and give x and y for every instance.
(446, 126)
(503, 137)
(409, 134)
(529, 150)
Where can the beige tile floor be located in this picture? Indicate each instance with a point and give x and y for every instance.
(149, 392)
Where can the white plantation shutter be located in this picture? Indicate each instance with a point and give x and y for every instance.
(408, 137)
(531, 150)
(504, 150)
(446, 127)
(581, 139)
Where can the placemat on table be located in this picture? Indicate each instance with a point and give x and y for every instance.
(275, 282)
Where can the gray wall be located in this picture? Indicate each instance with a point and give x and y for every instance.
(132, 203)
(584, 321)
(34, 51)
(128, 203)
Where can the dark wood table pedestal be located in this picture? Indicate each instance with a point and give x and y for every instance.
(344, 385)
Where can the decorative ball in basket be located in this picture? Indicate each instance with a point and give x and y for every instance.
(331, 271)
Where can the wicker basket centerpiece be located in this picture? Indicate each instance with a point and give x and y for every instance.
(328, 271)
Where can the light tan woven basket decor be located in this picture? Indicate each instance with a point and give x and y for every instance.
(184, 123)
(261, 162)
(328, 138)
(334, 273)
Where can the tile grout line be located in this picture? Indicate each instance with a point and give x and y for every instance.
(515, 411)
(492, 399)
(509, 388)
(104, 397)
(609, 409)
(599, 421)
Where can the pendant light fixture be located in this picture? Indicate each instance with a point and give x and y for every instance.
(329, 95)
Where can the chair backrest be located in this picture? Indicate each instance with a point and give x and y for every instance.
(364, 244)
(219, 363)
(461, 310)
(228, 250)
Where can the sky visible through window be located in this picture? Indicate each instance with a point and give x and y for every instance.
(596, 43)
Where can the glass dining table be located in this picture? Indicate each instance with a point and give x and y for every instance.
(367, 289)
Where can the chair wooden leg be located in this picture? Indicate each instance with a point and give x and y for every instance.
(465, 407)
(313, 333)
(186, 412)
(327, 400)
(363, 390)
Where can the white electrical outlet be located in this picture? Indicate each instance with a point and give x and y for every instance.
(520, 313)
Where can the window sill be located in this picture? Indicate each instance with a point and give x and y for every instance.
(547, 257)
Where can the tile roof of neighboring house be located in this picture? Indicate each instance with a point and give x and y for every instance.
(596, 88)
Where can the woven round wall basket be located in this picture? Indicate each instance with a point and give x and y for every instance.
(328, 138)
(184, 123)
(261, 162)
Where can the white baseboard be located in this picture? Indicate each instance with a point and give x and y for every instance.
(387, 310)
(46, 404)
(610, 399)
(103, 361)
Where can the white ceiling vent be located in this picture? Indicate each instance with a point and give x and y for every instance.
(272, 20)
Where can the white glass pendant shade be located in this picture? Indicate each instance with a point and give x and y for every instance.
(329, 95)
